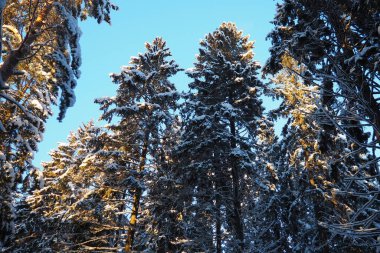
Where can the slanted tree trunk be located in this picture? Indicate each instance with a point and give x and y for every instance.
(14, 58)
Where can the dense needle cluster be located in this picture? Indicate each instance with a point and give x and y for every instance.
(202, 170)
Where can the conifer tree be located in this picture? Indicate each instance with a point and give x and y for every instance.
(140, 114)
(162, 216)
(40, 60)
(332, 39)
(81, 206)
(216, 151)
(311, 181)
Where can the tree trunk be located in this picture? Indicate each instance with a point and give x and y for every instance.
(218, 218)
(133, 220)
(237, 223)
(136, 200)
(14, 58)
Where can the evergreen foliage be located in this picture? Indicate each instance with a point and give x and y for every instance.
(40, 60)
(203, 170)
(141, 115)
(216, 149)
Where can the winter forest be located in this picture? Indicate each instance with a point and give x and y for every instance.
(202, 169)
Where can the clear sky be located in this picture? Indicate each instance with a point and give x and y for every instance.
(181, 23)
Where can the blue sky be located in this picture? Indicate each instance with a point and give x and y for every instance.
(181, 23)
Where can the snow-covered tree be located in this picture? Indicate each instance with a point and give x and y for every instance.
(216, 155)
(41, 41)
(338, 45)
(161, 218)
(311, 186)
(39, 65)
(140, 114)
(81, 205)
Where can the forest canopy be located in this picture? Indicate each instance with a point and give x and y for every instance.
(204, 169)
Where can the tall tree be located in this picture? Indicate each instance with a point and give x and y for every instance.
(140, 113)
(216, 151)
(41, 52)
(311, 180)
(339, 47)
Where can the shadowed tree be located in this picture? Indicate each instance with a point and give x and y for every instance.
(216, 150)
(338, 45)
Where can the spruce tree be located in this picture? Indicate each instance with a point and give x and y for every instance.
(82, 202)
(140, 113)
(162, 216)
(216, 152)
